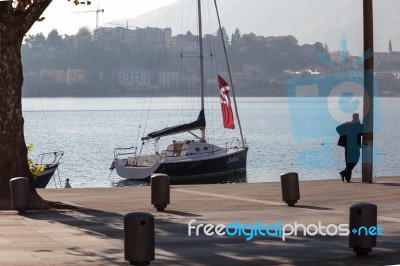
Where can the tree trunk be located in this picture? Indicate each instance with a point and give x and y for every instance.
(13, 151)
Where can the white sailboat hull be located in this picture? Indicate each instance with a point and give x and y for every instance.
(134, 172)
(191, 161)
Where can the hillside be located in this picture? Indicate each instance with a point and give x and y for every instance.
(308, 20)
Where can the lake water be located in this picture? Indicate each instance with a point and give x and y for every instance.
(282, 135)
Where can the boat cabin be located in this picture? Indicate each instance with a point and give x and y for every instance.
(190, 147)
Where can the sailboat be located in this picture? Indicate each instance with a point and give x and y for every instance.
(49, 168)
(195, 159)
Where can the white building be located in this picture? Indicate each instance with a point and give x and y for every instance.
(131, 78)
(169, 79)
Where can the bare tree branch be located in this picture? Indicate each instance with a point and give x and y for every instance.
(33, 13)
(23, 4)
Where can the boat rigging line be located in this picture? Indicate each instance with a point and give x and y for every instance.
(230, 75)
(52, 138)
(202, 130)
(145, 113)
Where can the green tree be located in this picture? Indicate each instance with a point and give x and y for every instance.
(54, 40)
(224, 35)
(37, 40)
(235, 40)
(16, 18)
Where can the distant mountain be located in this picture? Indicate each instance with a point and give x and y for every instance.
(309, 21)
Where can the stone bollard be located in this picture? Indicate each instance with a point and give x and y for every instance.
(160, 184)
(19, 187)
(363, 228)
(139, 244)
(290, 188)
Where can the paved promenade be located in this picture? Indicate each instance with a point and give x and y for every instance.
(92, 233)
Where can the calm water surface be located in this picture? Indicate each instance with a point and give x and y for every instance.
(88, 130)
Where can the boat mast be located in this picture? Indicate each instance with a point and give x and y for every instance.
(230, 75)
(203, 130)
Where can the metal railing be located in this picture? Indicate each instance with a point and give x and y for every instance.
(55, 157)
(118, 152)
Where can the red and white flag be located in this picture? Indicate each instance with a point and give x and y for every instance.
(226, 107)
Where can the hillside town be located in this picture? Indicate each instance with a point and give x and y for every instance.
(129, 61)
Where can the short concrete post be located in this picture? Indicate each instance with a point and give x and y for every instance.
(363, 228)
(19, 187)
(139, 244)
(160, 187)
(290, 188)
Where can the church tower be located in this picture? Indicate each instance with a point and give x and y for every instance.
(390, 47)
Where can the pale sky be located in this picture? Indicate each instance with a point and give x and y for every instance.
(60, 14)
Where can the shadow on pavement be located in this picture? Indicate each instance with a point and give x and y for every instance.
(314, 208)
(175, 247)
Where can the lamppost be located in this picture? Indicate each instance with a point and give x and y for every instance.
(368, 107)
